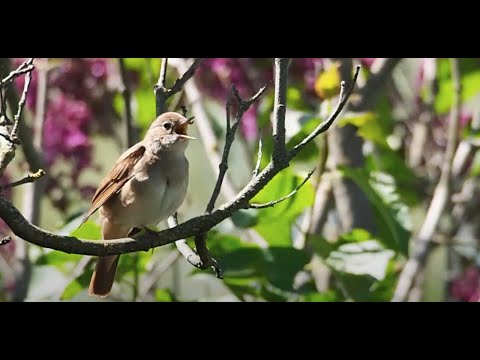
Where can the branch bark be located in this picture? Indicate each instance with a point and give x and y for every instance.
(440, 199)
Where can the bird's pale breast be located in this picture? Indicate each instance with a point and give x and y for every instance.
(152, 195)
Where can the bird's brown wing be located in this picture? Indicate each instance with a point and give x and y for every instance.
(116, 178)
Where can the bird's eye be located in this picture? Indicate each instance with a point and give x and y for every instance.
(167, 126)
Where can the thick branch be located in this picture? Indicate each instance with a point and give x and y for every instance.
(441, 197)
(280, 107)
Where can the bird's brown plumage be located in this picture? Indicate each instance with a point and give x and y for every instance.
(115, 179)
(146, 185)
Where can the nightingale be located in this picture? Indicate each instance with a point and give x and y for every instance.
(147, 184)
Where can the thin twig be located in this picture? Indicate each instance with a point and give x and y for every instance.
(180, 82)
(440, 199)
(21, 104)
(126, 93)
(25, 67)
(275, 202)
(229, 139)
(324, 126)
(27, 179)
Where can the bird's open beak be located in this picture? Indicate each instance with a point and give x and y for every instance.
(181, 130)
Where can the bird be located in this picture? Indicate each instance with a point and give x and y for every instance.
(146, 185)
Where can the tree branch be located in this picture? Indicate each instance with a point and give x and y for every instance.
(162, 93)
(8, 141)
(21, 104)
(440, 199)
(148, 240)
(324, 126)
(280, 107)
(25, 67)
(27, 179)
(229, 139)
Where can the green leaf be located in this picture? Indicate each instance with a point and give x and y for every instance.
(275, 233)
(369, 127)
(71, 290)
(164, 295)
(362, 258)
(61, 260)
(388, 161)
(145, 113)
(245, 218)
(470, 78)
(275, 222)
(78, 284)
(248, 268)
(327, 296)
(295, 99)
(281, 264)
(389, 212)
(89, 230)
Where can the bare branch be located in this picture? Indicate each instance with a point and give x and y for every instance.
(243, 106)
(126, 93)
(25, 67)
(280, 106)
(162, 93)
(8, 141)
(21, 104)
(324, 126)
(27, 179)
(440, 199)
(180, 82)
(275, 202)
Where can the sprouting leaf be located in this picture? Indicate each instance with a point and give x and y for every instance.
(387, 207)
(89, 230)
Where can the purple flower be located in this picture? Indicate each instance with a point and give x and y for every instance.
(466, 286)
(66, 132)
